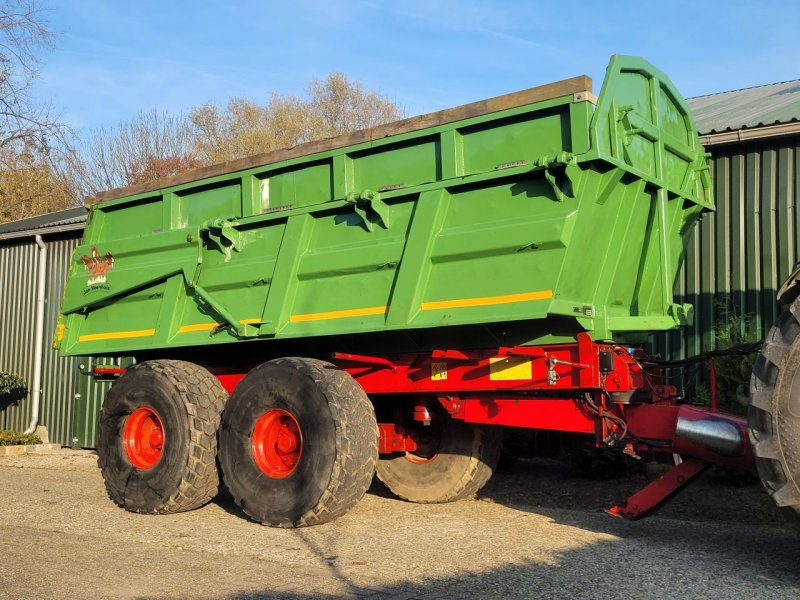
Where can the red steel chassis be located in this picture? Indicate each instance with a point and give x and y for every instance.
(585, 387)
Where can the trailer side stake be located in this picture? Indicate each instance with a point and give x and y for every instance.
(658, 491)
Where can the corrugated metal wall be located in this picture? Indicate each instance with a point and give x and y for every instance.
(739, 256)
(60, 408)
(58, 374)
(88, 401)
(17, 306)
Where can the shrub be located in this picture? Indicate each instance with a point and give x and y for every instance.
(12, 389)
(733, 372)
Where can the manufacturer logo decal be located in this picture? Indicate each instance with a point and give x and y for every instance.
(97, 267)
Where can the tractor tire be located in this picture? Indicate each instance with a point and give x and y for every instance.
(157, 437)
(774, 410)
(458, 463)
(298, 443)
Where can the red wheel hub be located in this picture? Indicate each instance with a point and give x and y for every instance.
(428, 441)
(143, 437)
(277, 443)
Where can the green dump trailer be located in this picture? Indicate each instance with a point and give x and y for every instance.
(387, 298)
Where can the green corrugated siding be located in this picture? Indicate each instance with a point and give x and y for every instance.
(739, 255)
(89, 399)
(58, 375)
(66, 400)
(17, 307)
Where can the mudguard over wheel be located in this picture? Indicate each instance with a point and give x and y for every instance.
(453, 461)
(157, 438)
(774, 411)
(298, 442)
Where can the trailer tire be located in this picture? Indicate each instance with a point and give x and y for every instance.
(298, 443)
(774, 410)
(465, 459)
(185, 401)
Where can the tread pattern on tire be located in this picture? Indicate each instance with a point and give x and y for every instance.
(203, 399)
(356, 440)
(487, 448)
(482, 465)
(773, 465)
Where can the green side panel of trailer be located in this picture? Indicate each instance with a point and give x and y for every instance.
(549, 218)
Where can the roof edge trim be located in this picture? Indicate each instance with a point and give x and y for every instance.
(749, 134)
(13, 235)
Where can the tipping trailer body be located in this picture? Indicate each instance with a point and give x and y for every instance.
(523, 219)
(414, 285)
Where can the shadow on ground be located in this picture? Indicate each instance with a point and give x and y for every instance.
(745, 565)
(714, 539)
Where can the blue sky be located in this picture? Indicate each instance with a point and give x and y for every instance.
(114, 58)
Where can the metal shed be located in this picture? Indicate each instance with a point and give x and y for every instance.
(738, 256)
(68, 403)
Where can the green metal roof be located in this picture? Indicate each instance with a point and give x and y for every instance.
(61, 220)
(761, 106)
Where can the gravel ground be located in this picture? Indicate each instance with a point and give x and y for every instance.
(536, 531)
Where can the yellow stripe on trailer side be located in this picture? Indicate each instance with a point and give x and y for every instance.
(197, 327)
(116, 335)
(487, 300)
(339, 314)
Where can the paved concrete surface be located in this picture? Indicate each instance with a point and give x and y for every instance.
(536, 532)
(30, 449)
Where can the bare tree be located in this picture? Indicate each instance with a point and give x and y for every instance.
(337, 106)
(154, 144)
(23, 34)
(157, 143)
(29, 184)
(242, 128)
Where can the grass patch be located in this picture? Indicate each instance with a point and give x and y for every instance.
(14, 438)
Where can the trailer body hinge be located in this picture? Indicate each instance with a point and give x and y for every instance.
(370, 207)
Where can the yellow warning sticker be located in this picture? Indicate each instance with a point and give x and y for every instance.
(510, 368)
(438, 371)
